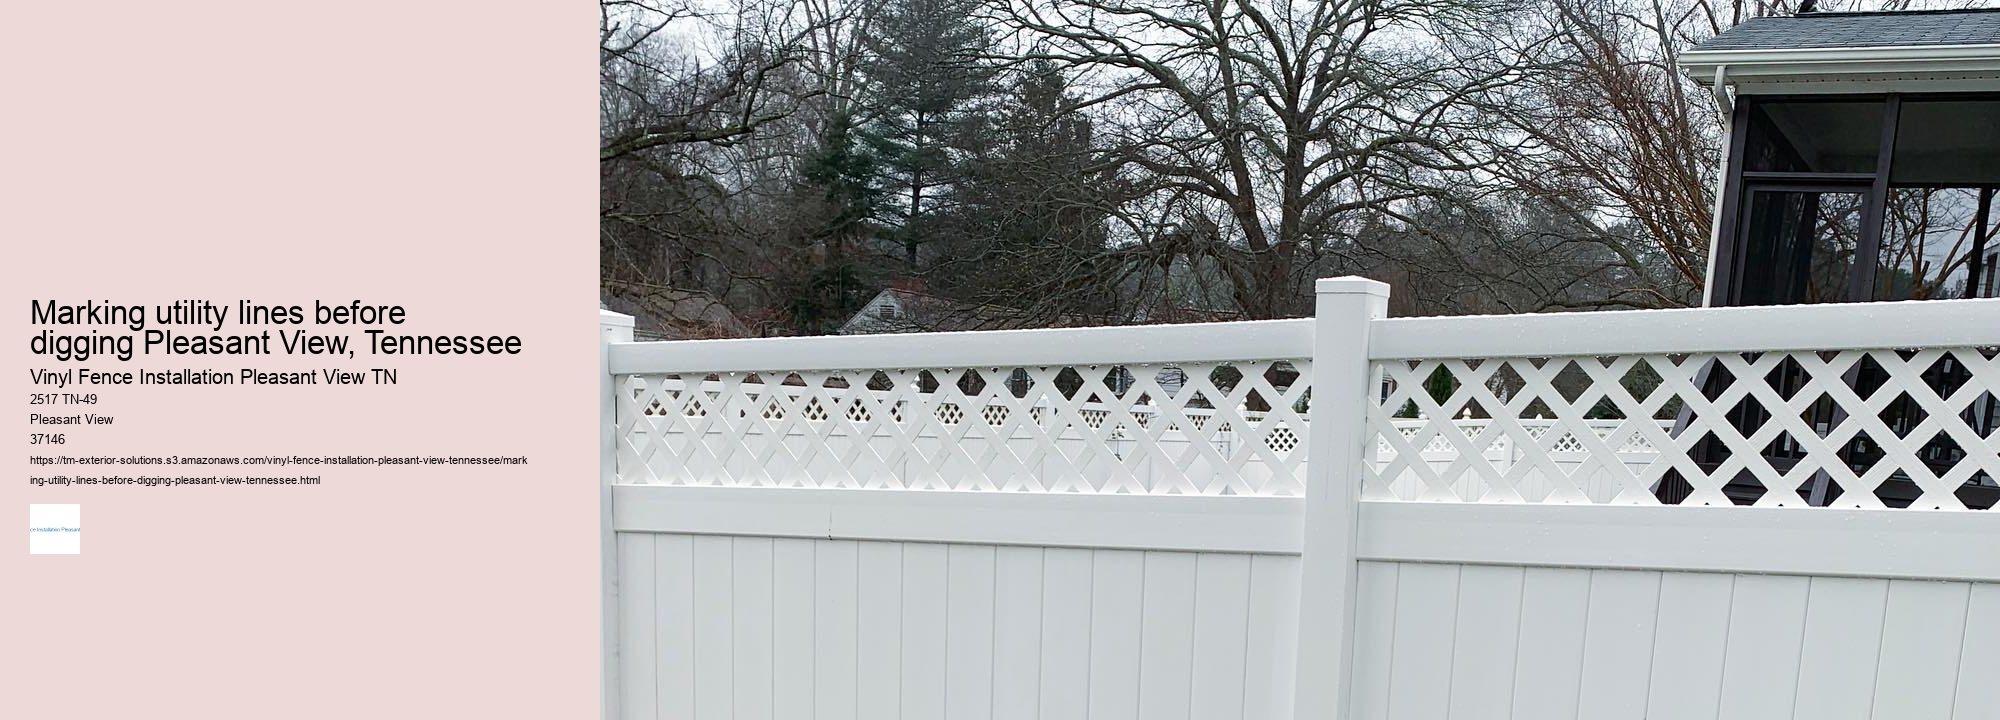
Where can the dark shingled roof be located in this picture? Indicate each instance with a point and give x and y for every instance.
(1861, 29)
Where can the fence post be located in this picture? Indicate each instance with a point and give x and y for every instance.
(612, 327)
(1342, 385)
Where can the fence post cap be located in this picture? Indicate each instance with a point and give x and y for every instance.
(1351, 285)
(614, 319)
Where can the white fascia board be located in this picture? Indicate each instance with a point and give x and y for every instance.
(1917, 61)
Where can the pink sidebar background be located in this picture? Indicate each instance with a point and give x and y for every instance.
(434, 155)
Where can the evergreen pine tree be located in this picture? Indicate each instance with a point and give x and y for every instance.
(925, 89)
(840, 176)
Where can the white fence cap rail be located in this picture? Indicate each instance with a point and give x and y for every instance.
(1857, 326)
(1198, 342)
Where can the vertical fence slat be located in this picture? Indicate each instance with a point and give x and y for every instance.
(1065, 634)
(793, 594)
(1618, 644)
(751, 615)
(1221, 604)
(673, 625)
(968, 682)
(638, 681)
(1922, 629)
(1273, 643)
(879, 661)
(1017, 632)
(836, 629)
(1420, 663)
(1166, 642)
(714, 651)
(1488, 635)
(1548, 675)
(924, 629)
(1978, 696)
(1116, 590)
(1692, 634)
(1374, 638)
(1760, 670)
(1843, 641)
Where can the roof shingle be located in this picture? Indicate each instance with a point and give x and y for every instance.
(1861, 29)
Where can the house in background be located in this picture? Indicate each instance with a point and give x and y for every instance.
(1863, 161)
(1863, 156)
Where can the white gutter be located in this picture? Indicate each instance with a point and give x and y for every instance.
(1720, 86)
(1981, 59)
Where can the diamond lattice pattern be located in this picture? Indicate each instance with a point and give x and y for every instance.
(1195, 428)
(1853, 428)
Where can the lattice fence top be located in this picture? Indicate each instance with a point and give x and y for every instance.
(1847, 428)
(1214, 428)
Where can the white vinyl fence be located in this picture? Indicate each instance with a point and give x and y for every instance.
(1719, 513)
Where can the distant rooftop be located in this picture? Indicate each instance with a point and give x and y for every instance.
(1861, 29)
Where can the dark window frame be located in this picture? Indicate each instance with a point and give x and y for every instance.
(1802, 183)
(1730, 247)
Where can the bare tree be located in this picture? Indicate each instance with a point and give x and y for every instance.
(1620, 141)
(1624, 143)
(1289, 119)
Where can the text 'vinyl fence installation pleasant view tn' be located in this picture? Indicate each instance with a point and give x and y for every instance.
(1749, 513)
